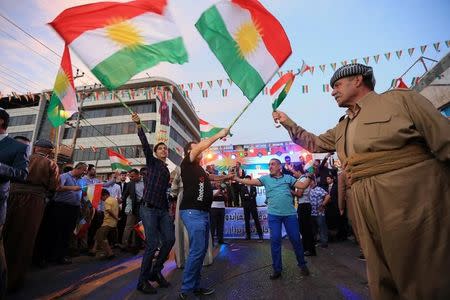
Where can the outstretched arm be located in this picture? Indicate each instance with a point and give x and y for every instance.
(206, 143)
(246, 181)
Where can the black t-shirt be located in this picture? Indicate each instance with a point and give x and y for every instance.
(197, 189)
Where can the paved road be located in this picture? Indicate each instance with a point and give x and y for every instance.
(240, 271)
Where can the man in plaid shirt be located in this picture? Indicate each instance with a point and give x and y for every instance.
(319, 198)
(154, 213)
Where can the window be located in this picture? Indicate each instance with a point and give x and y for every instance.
(22, 120)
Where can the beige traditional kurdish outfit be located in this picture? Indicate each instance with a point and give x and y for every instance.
(181, 234)
(397, 151)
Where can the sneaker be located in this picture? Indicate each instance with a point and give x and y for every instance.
(204, 291)
(275, 275)
(304, 271)
(159, 278)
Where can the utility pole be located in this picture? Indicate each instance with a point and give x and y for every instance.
(77, 124)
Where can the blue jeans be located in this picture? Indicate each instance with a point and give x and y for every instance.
(291, 226)
(159, 228)
(197, 226)
(323, 229)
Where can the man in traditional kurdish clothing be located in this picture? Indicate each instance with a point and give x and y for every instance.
(396, 150)
(26, 206)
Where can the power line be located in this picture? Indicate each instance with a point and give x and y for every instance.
(44, 57)
(30, 87)
(9, 86)
(16, 84)
(37, 84)
(37, 40)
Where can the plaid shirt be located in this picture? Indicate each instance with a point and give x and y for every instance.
(156, 182)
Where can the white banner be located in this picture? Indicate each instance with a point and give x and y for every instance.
(234, 227)
(163, 115)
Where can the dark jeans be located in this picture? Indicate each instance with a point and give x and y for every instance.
(306, 226)
(217, 222)
(253, 211)
(291, 226)
(197, 226)
(236, 197)
(159, 230)
(63, 218)
(96, 223)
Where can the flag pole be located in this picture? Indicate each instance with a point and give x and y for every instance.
(239, 115)
(129, 109)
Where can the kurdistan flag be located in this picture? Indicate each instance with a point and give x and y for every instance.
(118, 161)
(63, 103)
(93, 193)
(118, 40)
(207, 130)
(249, 42)
(286, 82)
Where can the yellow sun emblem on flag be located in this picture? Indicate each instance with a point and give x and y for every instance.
(248, 37)
(124, 33)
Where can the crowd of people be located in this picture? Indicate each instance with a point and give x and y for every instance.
(387, 144)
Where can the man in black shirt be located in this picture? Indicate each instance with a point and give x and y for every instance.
(154, 213)
(194, 211)
(248, 196)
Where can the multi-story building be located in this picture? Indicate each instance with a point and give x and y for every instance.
(105, 123)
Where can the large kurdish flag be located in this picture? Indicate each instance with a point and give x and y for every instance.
(118, 40)
(63, 103)
(118, 162)
(207, 130)
(249, 42)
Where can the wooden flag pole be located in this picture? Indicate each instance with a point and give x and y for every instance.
(129, 109)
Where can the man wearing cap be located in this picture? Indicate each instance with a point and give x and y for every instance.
(395, 148)
(13, 167)
(25, 211)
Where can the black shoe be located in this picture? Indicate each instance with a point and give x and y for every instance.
(362, 257)
(304, 271)
(159, 278)
(204, 291)
(146, 288)
(64, 261)
(275, 276)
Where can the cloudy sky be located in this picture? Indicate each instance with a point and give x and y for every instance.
(321, 32)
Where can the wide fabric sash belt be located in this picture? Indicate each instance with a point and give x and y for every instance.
(364, 165)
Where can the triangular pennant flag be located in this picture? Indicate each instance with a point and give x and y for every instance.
(312, 70)
(322, 68)
(436, 46)
(280, 73)
(219, 82)
(399, 53)
(393, 83)
(333, 66)
(230, 81)
(423, 48)
(210, 83)
(366, 60)
(344, 63)
(387, 55)
(304, 89)
(400, 84)
(326, 88)
(415, 81)
(186, 94)
(171, 87)
(190, 85)
(224, 92)
(285, 82)
(411, 51)
(118, 161)
(181, 86)
(354, 61)
(204, 93)
(447, 43)
(304, 68)
(376, 58)
(200, 84)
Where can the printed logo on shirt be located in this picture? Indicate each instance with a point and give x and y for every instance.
(201, 188)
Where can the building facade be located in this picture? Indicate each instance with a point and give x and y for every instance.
(104, 122)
